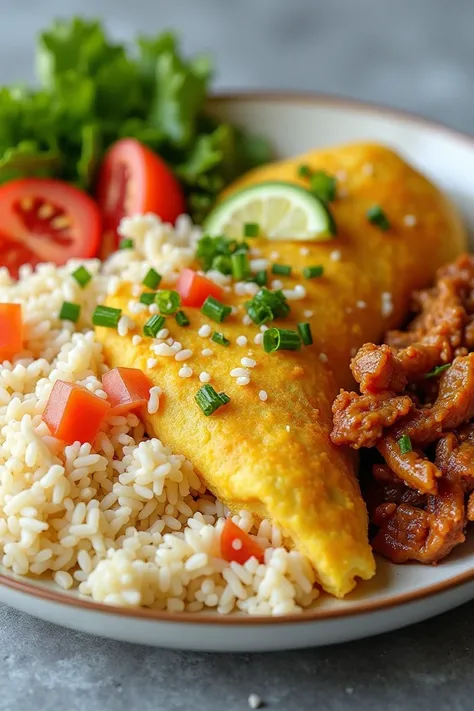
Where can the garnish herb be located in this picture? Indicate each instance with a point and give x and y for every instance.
(304, 329)
(323, 186)
(154, 324)
(313, 272)
(304, 171)
(222, 264)
(182, 319)
(126, 244)
(168, 301)
(240, 265)
(260, 278)
(82, 276)
(147, 297)
(437, 370)
(281, 269)
(251, 229)
(69, 312)
(376, 216)
(274, 300)
(106, 316)
(209, 400)
(215, 310)
(258, 312)
(220, 339)
(405, 444)
(280, 339)
(152, 279)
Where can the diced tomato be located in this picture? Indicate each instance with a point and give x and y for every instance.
(73, 413)
(44, 220)
(237, 545)
(11, 331)
(195, 288)
(126, 388)
(135, 180)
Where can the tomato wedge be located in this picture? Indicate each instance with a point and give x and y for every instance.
(237, 545)
(11, 330)
(134, 180)
(194, 288)
(44, 220)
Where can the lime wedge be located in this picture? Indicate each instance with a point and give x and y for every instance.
(282, 211)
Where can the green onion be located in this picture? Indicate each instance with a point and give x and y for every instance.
(240, 265)
(209, 248)
(215, 310)
(82, 276)
(147, 297)
(281, 269)
(260, 278)
(220, 339)
(152, 279)
(251, 229)
(241, 247)
(304, 329)
(259, 313)
(275, 300)
(209, 400)
(376, 216)
(304, 171)
(280, 339)
(437, 370)
(405, 444)
(323, 186)
(126, 244)
(153, 325)
(70, 311)
(222, 264)
(168, 301)
(313, 272)
(182, 319)
(106, 316)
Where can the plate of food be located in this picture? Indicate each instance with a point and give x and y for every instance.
(237, 381)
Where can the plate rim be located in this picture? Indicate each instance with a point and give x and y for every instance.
(35, 590)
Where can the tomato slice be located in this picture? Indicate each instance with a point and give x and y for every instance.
(195, 288)
(44, 220)
(237, 545)
(134, 180)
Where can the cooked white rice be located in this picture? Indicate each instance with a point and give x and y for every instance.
(126, 520)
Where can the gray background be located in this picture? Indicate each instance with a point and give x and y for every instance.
(413, 54)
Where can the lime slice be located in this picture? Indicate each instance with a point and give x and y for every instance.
(282, 211)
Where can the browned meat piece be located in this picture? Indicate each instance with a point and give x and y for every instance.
(387, 488)
(455, 457)
(470, 507)
(359, 420)
(413, 467)
(376, 369)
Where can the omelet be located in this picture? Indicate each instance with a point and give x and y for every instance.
(268, 450)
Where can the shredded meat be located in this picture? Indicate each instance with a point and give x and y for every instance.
(359, 420)
(421, 498)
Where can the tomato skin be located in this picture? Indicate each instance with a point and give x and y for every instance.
(11, 330)
(195, 288)
(27, 236)
(134, 180)
(230, 533)
(127, 389)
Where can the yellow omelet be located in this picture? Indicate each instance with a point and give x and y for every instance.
(275, 457)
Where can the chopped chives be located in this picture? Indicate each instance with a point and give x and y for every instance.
(168, 301)
(152, 279)
(126, 244)
(153, 325)
(313, 272)
(437, 370)
(106, 316)
(240, 265)
(376, 216)
(281, 269)
(209, 400)
(147, 297)
(222, 264)
(405, 444)
(220, 339)
(251, 229)
(304, 171)
(261, 277)
(69, 312)
(275, 300)
(259, 313)
(304, 329)
(215, 310)
(280, 339)
(323, 186)
(82, 276)
(241, 247)
(182, 319)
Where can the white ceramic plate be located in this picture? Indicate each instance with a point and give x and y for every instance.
(398, 595)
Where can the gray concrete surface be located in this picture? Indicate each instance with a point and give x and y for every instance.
(414, 54)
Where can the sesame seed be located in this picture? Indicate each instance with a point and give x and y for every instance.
(386, 303)
(274, 255)
(204, 377)
(162, 349)
(205, 331)
(258, 339)
(154, 399)
(242, 381)
(248, 362)
(207, 352)
(361, 304)
(240, 373)
(136, 339)
(287, 428)
(255, 252)
(135, 307)
(241, 340)
(185, 372)
(299, 292)
(254, 701)
(367, 169)
(307, 313)
(263, 328)
(251, 288)
(176, 346)
(163, 334)
(136, 290)
(240, 288)
(183, 355)
(246, 320)
(236, 544)
(151, 362)
(277, 284)
(234, 310)
(323, 358)
(258, 265)
(409, 220)
(335, 255)
(304, 251)
(153, 309)
(263, 395)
